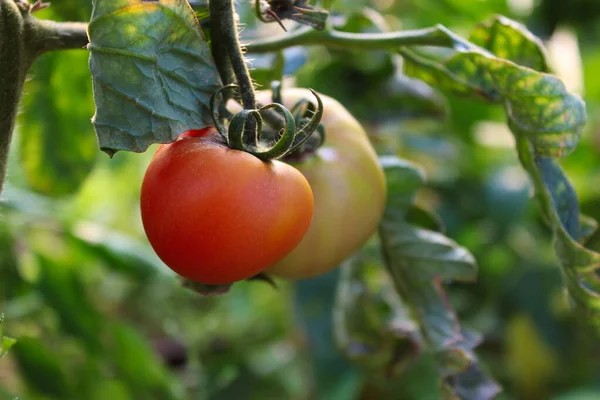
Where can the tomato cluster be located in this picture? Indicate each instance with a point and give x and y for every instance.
(216, 215)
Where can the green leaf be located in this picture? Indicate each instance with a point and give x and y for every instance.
(57, 145)
(118, 251)
(547, 122)
(424, 218)
(560, 206)
(64, 291)
(419, 260)
(511, 41)
(537, 104)
(335, 377)
(41, 369)
(563, 195)
(138, 365)
(372, 325)
(458, 73)
(404, 183)
(539, 107)
(5, 342)
(108, 389)
(152, 71)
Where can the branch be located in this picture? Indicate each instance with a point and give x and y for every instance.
(13, 66)
(22, 39)
(73, 35)
(434, 36)
(50, 35)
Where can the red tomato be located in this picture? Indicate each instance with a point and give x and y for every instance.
(197, 132)
(216, 215)
(191, 133)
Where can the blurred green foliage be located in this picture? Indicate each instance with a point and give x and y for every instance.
(98, 316)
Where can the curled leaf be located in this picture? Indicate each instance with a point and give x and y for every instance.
(509, 69)
(372, 325)
(419, 261)
(537, 104)
(510, 40)
(560, 206)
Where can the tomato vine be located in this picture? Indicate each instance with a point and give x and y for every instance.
(23, 38)
(544, 117)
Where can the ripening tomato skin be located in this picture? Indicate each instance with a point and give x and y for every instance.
(209, 130)
(198, 132)
(216, 215)
(349, 191)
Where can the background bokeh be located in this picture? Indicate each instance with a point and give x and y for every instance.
(98, 316)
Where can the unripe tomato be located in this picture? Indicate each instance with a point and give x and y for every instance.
(216, 215)
(349, 189)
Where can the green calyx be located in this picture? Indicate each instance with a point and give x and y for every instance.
(213, 290)
(205, 290)
(304, 111)
(245, 128)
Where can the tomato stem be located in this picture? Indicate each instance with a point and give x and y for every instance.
(218, 43)
(75, 37)
(238, 63)
(435, 36)
(225, 31)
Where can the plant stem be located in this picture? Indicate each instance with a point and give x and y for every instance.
(306, 36)
(217, 43)
(22, 39)
(51, 35)
(228, 32)
(68, 35)
(13, 67)
(224, 32)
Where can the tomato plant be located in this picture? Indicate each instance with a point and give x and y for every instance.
(216, 215)
(349, 189)
(246, 193)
